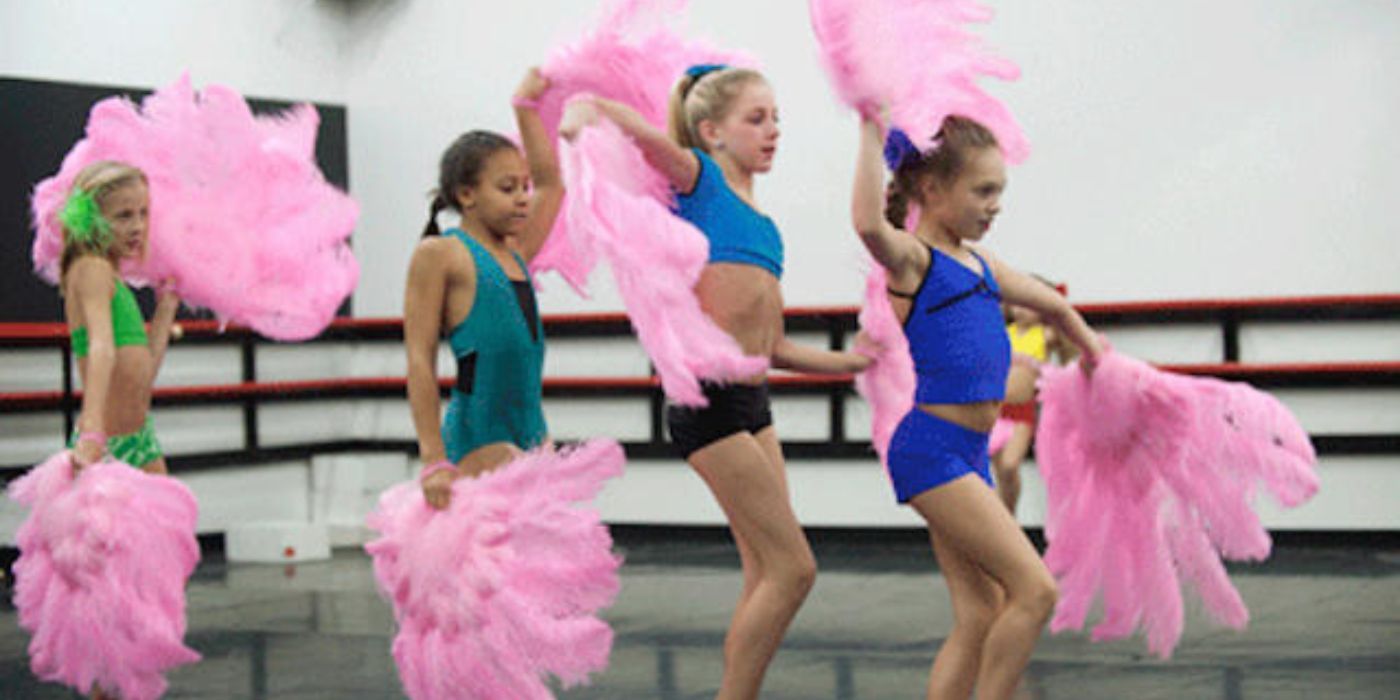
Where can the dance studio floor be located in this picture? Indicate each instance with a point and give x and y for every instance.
(1326, 624)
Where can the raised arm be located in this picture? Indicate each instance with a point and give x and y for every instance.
(543, 162)
(90, 282)
(1020, 288)
(679, 165)
(895, 250)
(422, 320)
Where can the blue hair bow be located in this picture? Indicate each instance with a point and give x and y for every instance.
(897, 148)
(700, 70)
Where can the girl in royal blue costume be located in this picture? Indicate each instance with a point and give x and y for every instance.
(948, 294)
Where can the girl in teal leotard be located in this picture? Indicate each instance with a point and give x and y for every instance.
(472, 282)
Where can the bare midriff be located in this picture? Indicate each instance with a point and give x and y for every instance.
(129, 393)
(747, 302)
(978, 415)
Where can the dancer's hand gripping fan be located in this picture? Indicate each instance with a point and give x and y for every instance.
(503, 587)
(100, 580)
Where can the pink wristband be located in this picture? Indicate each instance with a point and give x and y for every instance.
(435, 467)
(96, 436)
(526, 102)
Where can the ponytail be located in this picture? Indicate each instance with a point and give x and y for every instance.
(439, 203)
(676, 123)
(704, 92)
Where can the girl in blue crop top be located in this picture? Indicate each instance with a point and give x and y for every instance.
(471, 284)
(724, 132)
(948, 291)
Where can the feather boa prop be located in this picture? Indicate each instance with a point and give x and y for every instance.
(100, 580)
(915, 57)
(1149, 478)
(504, 585)
(617, 207)
(241, 218)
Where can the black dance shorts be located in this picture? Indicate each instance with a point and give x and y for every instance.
(734, 408)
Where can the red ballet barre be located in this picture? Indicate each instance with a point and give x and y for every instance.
(1293, 374)
(1384, 306)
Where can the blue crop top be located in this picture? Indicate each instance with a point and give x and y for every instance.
(737, 232)
(957, 335)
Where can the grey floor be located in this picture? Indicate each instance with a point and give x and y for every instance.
(1326, 624)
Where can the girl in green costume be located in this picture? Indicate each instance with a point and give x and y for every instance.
(105, 221)
(473, 282)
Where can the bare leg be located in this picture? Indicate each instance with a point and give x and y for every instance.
(967, 517)
(778, 564)
(1006, 465)
(977, 600)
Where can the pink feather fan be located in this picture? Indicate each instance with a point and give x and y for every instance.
(617, 207)
(1149, 480)
(503, 587)
(100, 580)
(241, 218)
(888, 384)
(916, 58)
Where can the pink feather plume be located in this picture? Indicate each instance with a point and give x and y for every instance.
(1150, 478)
(916, 57)
(888, 384)
(241, 218)
(617, 207)
(100, 580)
(656, 259)
(504, 586)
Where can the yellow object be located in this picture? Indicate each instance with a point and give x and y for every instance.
(1028, 341)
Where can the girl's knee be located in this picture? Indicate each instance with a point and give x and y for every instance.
(1038, 595)
(796, 575)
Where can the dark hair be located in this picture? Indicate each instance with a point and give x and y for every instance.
(957, 138)
(460, 167)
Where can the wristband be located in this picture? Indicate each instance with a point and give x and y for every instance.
(435, 467)
(525, 102)
(96, 436)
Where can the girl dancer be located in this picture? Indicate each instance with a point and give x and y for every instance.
(948, 291)
(106, 222)
(473, 280)
(496, 578)
(105, 555)
(723, 133)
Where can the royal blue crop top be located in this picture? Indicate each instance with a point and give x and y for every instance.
(737, 232)
(957, 335)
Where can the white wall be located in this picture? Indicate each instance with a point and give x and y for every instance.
(281, 49)
(1181, 149)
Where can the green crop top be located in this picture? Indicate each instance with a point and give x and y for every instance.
(128, 328)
